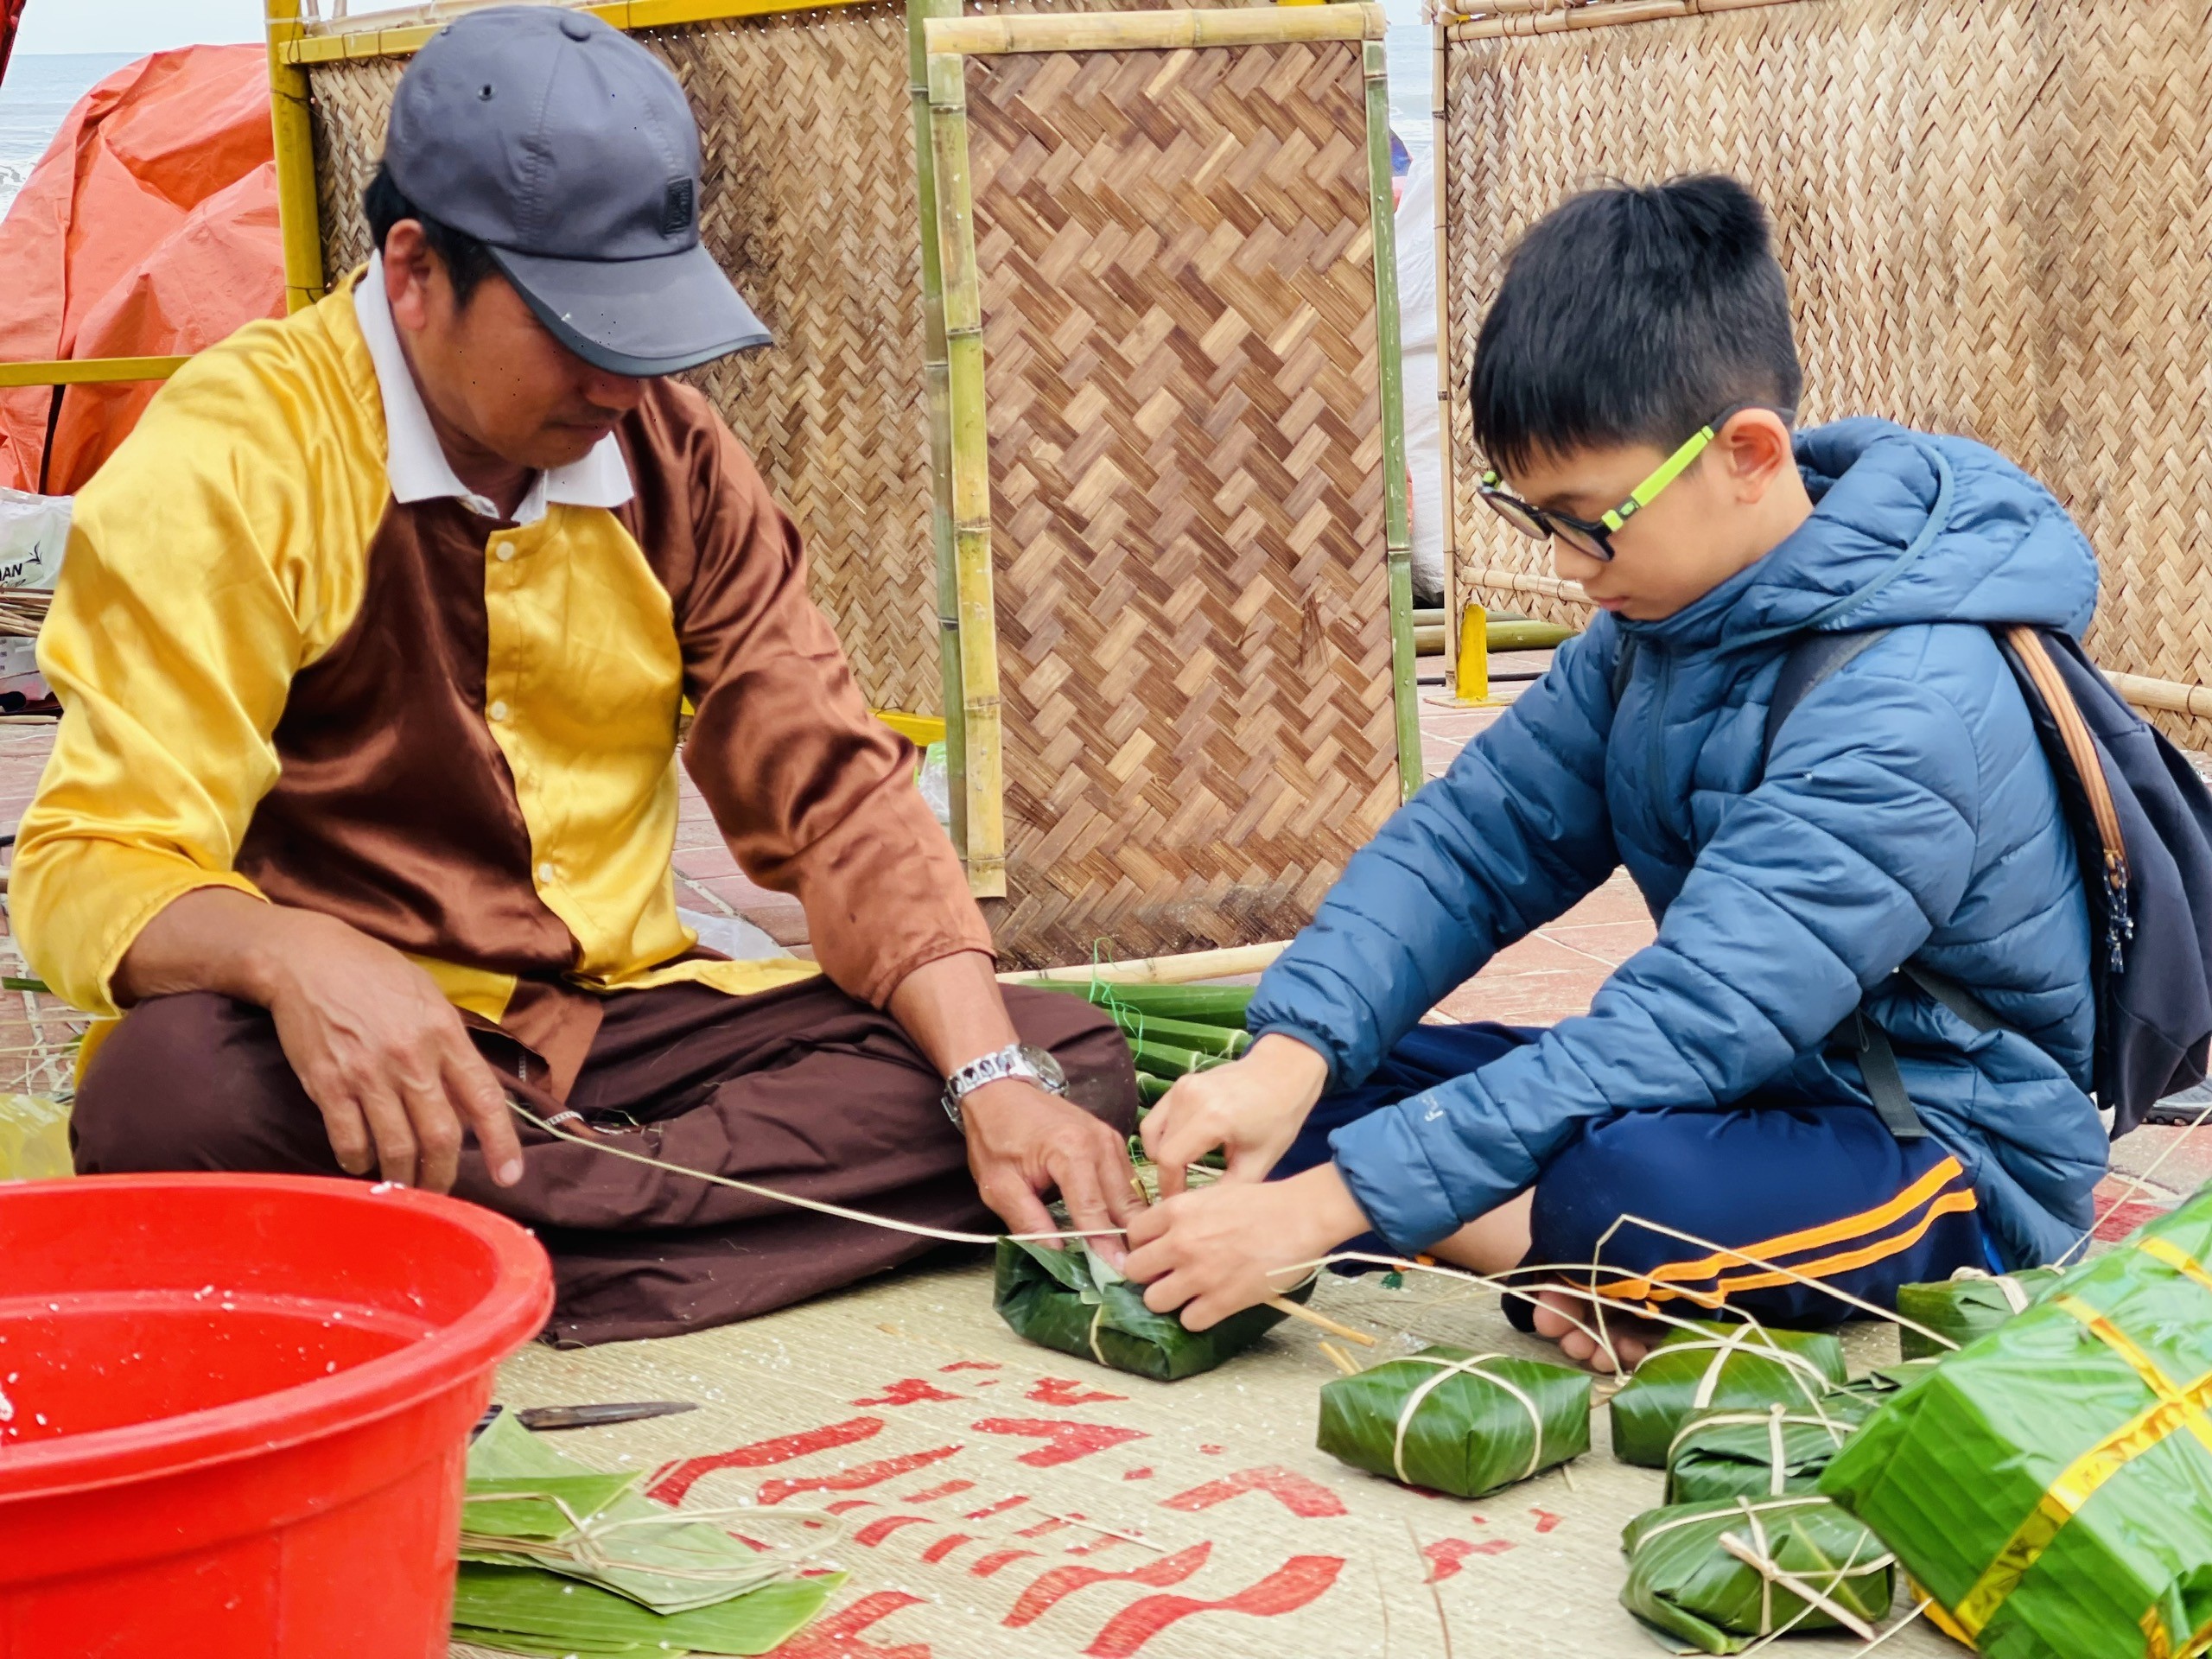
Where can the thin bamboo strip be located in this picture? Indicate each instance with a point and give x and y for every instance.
(1439, 111)
(298, 219)
(971, 478)
(88, 371)
(937, 377)
(1397, 535)
(1149, 31)
(1186, 968)
(1608, 13)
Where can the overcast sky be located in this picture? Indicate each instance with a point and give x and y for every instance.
(153, 25)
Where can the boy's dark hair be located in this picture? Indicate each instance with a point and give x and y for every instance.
(467, 261)
(1634, 314)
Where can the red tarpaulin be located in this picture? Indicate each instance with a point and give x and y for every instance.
(148, 228)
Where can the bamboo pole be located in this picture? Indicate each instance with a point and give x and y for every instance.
(400, 30)
(1440, 112)
(299, 216)
(88, 371)
(2171, 697)
(970, 479)
(1397, 538)
(937, 377)
(1154, 31)
(1504, 22)
(1229, 962)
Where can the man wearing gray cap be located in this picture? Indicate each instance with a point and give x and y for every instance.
(373, 639)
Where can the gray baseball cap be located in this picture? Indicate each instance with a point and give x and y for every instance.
(568, 150)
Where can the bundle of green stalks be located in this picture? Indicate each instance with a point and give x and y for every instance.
(1172, 1030)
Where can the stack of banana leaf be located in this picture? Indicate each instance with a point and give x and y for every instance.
(557, 1557)
(1172, 1030)
(1450, 1421)
(2050, 1486)
(1755, 1453)
(1073, 1301)
(1719, 1577)
(1965, 1306)
(1702, 1368)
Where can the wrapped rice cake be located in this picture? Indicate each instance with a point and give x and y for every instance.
(1706, 1368)
(1071, 1300)
(1760, 1453)
(1719, 1577)
(2051, 1485)
(1454, 1421)
(1967, 1305)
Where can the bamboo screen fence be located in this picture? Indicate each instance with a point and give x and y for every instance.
(1995, 217)
(808, 132)
(1177, 469)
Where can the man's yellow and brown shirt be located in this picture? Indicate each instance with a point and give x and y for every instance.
(453, 731)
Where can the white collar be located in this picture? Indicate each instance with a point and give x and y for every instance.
(416, 462)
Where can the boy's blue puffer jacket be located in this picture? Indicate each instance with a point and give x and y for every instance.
(1908, 812)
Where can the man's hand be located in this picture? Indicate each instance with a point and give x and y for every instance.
(1023, 1142)
(1251, 1107)
(1221, 1250)
(380, 1051)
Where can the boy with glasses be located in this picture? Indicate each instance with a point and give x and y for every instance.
(1761, 1077)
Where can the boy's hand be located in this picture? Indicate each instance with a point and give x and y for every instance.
(1251, 1109)
(1210, 1252)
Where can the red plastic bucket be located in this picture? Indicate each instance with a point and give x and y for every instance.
(238, 1407)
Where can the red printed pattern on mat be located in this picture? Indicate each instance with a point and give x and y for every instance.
(1298, 1493)
(671, 1483)
(1064, 1391)
(907, 1391)
(837, 1635)
(1069, 1441)
(1297, 1583)
(850, 1480)
(1049, 1589)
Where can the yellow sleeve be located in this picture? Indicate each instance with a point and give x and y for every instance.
(189, 598)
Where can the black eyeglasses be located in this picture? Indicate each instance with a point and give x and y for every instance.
(1595, 538)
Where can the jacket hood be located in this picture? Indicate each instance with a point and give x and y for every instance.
(1906, 528)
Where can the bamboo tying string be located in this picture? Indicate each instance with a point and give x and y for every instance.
(1501, 23)
(1152, 31)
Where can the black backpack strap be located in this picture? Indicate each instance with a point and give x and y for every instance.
(1878, 1064)
(1624, 666)
(1810, 661)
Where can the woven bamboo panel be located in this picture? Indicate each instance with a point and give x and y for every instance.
(808, 200)
(1187, 500)
(1995, 220)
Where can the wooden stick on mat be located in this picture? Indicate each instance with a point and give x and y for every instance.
(1165, 970)
(1340, 1359)
(1297, 1311)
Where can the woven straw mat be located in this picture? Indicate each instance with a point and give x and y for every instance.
(1186, 446)
(1994, 219)
(809, 201)
(977, 1484)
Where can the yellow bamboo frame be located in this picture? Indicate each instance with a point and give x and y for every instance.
(1504, 19)
(88, 371)
(397, 34)
(1151, 31)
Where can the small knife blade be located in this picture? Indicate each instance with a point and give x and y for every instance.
(542, 1419)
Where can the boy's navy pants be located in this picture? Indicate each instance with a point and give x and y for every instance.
(1827, 1191)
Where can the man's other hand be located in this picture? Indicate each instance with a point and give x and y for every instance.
(384, 1056)
(1024, 1142)
(1251, 1109)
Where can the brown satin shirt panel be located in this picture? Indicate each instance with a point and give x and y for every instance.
(814, 795)
(395, 810)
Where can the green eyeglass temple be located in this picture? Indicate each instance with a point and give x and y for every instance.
(1670, 469)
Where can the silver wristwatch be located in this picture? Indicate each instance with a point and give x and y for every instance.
(1015, 1060)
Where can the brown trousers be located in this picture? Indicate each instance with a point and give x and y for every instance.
(802, 1089)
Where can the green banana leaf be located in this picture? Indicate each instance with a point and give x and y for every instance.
(1682, 1580)
(1766, 1453)
(498, 1606)
(2050, 1485)
(1452, 1421)
(1965, 1306)
(1205, 1005)
(1885, 1382)
(1170, 1060)
(1071, 1300)
(631, 1545)
(1708, 1367)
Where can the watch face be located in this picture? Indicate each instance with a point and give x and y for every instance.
(1048, 1069)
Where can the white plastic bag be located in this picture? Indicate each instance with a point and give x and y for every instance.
(34, 529)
